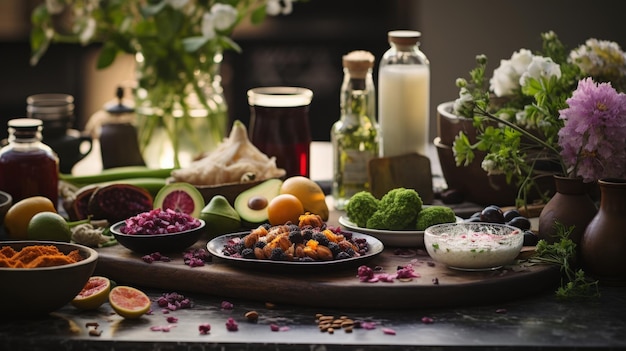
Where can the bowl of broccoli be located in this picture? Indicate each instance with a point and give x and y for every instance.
(397, 219)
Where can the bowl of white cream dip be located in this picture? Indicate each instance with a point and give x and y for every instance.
(473, 246)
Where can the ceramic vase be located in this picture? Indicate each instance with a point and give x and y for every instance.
(178, 123)
(570, 206)
(603, 245)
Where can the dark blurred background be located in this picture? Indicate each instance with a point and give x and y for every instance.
(305, 49)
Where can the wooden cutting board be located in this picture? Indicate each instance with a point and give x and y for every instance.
(336, 288)
(408, 171)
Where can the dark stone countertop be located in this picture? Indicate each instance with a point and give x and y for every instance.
(534, 323)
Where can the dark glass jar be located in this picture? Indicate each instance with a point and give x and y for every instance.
(28, 167)
(279, 126)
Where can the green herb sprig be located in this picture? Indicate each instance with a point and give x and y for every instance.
(574, 283)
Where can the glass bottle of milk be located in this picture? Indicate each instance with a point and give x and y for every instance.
(404, 96)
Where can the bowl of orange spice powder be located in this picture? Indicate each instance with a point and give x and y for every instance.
(39, 277)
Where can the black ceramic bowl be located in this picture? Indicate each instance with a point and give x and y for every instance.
(163, 243)
(28, 292)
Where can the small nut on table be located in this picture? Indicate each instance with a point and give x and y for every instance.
(252, 316)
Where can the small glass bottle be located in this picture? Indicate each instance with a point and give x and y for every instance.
(28, 167)
(355, 137)
(404, 96)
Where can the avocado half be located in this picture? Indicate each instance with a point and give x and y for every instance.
(252, 204)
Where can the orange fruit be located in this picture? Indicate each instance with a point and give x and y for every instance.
(309, 193)
(94, 293)
(129, 302)
(284, 208)
(19, 215)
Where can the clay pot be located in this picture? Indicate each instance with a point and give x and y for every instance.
(450, 125)
(570, 206)
(472, 181)
(603, 245)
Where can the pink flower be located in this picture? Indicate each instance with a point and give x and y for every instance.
(593, 138)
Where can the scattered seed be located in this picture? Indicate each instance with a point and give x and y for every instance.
(92, 324)
(252, 316)
(331, 330)
(347, 323)
(436, 281)
(95, 332)
(501, 310)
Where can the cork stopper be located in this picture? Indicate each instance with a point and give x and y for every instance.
(404, 37)
(358, 63)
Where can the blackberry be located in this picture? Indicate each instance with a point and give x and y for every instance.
(267, 226)
(277, 254)
(307, 259)
(343, 255)
(238, 247)
(320, 238)
(247, 253)
(307, 233)
(295, 237)
(334, 248)
(260, 244)
(293, 227)
(350, 252)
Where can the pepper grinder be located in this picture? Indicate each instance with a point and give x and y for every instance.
(114, 127)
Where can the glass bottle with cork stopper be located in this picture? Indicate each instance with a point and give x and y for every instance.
(355, 137)
(404, 96)
(28, 167)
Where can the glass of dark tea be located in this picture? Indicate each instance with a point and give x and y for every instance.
(279, 126)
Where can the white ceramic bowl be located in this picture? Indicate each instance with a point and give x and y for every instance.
(473, 246)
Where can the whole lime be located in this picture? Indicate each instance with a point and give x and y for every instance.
(49, 226)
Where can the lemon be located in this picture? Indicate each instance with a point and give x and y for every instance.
(49, 226)
(94, 294)
(19, 215)
(129, 302)
(309, 193)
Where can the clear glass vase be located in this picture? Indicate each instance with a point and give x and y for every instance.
(181, 117)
